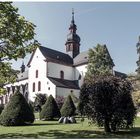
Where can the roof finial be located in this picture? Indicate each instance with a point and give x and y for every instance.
(72, 15)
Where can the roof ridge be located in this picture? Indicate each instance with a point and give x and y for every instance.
(61, 79)
(54, 50)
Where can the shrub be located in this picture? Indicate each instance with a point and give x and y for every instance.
(39, 101)
(31, 105)
(136, 98)
(60, 101)
(107, 101)
(68, 108)
(17, 112)
(50, 109)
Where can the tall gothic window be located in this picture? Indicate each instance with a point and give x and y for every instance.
(62, 74)
(33, 87)
(36, 74)
(39, 86)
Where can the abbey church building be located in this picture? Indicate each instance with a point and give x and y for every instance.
(51, 71)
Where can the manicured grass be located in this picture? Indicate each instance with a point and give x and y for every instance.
(52, 129)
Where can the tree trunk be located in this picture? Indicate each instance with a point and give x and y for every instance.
(106, 126)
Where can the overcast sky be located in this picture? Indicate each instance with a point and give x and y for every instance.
(115, 24)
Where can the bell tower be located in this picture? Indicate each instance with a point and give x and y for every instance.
(73, 40)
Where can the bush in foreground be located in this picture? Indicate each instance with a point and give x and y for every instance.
(107, 101)
(68, 108)
(50, 109)
(17, 112)
(40, 100)
(59, 101)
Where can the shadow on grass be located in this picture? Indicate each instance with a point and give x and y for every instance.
(133, 133)
(40, 124)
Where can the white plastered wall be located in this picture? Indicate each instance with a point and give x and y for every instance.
(54, 71)
(37, 63)
(82, 71)
(66, 91)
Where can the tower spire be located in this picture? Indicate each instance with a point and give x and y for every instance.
(73, 40)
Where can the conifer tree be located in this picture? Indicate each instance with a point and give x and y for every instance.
(68, 108)
(17, 112)
(50, 109)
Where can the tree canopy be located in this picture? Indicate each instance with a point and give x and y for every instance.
(99, 61)
(107, 101)
(16, 39)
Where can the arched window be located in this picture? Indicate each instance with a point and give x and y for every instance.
(62, 74)
(39, 86)
(33, 87)
(36, 74)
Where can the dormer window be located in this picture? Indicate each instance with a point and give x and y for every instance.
(36, 74)
(62, 74)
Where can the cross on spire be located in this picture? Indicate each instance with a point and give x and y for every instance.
(73, 15)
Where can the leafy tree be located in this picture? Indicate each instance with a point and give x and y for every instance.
(100, 61)
(107, 101)
(16, 39)
(17, 112)
(50, 109)
(39, 101)
(68, 109)
(136, 99)
(7, 74)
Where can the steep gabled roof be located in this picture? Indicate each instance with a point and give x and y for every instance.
(81, 59)
(54, 56)
(64, 83)
(120, 74)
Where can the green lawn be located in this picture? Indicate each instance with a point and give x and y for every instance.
(51, 129)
